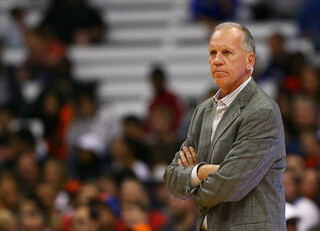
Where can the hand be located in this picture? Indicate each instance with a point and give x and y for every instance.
(188, 157)
(206, 169)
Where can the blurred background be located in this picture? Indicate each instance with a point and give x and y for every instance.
(96, 97)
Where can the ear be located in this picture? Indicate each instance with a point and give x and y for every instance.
(251, 59)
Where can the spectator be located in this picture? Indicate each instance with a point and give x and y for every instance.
(89, 156)
(182, 216)
(55, 173)
(10, 91)
(6, 117)
(88, 192)
(310, 83)
(305, 113)
(14, 33)
(28, 173)
(39, 68)
(8, 221)
(125, 162)
(9, 193)
(163, 97)
(297, 163)
(310, 146)
(310, 185)
(132, 191)
(82, 219)
(47, 194)
(90, 117)
(135, 217)
(7, 155)
(55, 118)
(159, 192)
(164, 141)
(310, 214)
(75, 22)
(23, 141)
(31, 216)
(104, 215)
(278, 64)
(133, 131)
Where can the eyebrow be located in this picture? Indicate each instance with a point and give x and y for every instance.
(223, 49)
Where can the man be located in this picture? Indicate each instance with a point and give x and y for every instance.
(238, 138)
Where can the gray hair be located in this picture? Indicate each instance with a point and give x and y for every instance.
(248, 41)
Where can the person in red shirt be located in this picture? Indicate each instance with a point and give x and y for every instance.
(164, 97)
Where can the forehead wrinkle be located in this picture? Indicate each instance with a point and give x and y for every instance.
(227, 38)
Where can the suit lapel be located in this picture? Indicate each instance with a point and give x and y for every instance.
(207, 126)
(233, 111)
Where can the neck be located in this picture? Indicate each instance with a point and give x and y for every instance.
(225, 92)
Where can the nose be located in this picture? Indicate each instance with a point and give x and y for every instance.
(217, 60)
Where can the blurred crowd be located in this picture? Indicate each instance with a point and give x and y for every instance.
(70, 163)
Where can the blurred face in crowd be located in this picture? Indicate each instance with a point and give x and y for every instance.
(108, 186)
(230, 63)
(180, 209)
(121, 150)
(47, 194)
(290, 186)
(7, 221)
(133, 129)
(81, 220)
(296, 163)
(310, 80)
(161, 120)
(276, 44)
(53, 172)
(309, 143)
(133, 214)
(50, 105)
(107, 219)
(132, 190)
(9, 193)
(87, 193)
(28, 168)
(5, 119)
(31, 218)
(304, 114)
(310, 184)
(161, 194)
(285, 105)
(86, 106)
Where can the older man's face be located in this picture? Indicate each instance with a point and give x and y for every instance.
(230, 64)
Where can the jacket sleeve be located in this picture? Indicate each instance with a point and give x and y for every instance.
(258, 145)
(177, 178)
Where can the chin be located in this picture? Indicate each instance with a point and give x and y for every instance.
(220, 82)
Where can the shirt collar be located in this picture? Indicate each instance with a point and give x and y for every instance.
(227, 100)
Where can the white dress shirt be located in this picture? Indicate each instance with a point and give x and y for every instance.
(222, 106)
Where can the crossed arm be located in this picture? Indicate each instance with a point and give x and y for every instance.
(188, 158)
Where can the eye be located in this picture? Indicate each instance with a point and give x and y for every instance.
(227, 52)
(213, 52)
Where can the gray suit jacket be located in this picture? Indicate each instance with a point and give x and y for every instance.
(246, 193)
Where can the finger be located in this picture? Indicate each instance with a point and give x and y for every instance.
(184, 161)
(194, 155)
(188, 155)
(179, 162)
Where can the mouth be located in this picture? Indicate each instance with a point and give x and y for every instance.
(220, 72)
